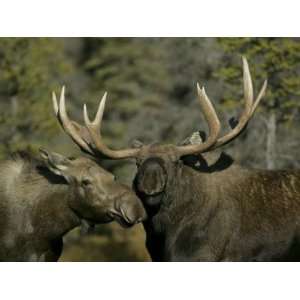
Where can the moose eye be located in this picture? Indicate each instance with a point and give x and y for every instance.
(86, 182)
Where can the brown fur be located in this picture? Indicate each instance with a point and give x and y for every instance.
(218, 214)
(39, 203)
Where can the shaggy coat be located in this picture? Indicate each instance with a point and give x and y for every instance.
(38, 205)
(220, 213)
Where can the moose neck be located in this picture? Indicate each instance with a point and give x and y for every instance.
(55, 205)
(184, 196)
(187, 186)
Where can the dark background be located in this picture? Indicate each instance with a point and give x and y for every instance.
(151, 85)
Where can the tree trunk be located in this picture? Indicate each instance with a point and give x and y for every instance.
(271, 141)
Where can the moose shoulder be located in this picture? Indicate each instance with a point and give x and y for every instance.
(42, 199)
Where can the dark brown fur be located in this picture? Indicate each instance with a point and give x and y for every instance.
(215, 213)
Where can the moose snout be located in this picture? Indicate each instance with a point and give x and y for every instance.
(132, 209)
(133, 214)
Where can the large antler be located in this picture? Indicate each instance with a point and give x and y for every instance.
(209, 113)
(90, 140)
(78, 133)
(87, 137)
(250, 107)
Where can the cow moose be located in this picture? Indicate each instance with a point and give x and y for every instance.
(215, 214)
(44, 198)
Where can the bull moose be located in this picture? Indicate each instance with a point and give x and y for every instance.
(44, 198)
(215, 214)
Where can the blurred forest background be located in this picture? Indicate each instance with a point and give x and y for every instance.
(151, 84)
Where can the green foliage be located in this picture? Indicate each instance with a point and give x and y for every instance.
(30, 69)
(131, 71)
(277, 59)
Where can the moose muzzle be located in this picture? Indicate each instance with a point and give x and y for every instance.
(129, 210)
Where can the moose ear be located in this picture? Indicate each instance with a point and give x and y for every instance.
(56, 163)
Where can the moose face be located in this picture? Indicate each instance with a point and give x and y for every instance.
(96, 195)
(152, 176)
(155, 165)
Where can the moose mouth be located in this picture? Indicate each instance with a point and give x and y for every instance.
(122, 220)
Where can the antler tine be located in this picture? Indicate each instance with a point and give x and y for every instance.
(260, 95)
(213, 125)
(86, 118)
(248, 87)
(99, 115)
(100, 111)
(62, 107)
(249, 109)
(68, 125)
(56, 109)
(54, 102)
(94, 128)
(210, 115)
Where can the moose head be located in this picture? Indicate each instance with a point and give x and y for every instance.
(96, 195)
